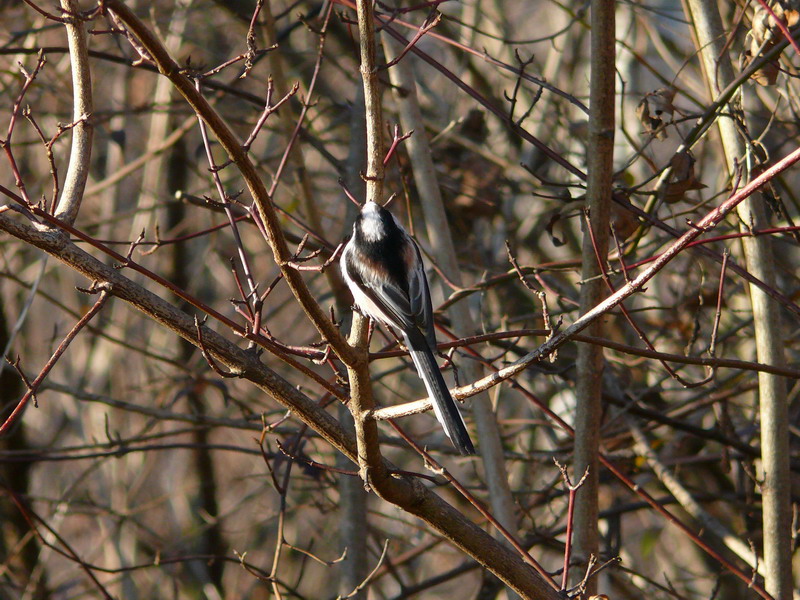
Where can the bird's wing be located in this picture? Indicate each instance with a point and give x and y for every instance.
(383, 300)
(420, 298)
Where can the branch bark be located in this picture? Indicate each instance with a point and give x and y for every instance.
(684, 497)
(405, 491)
(277, 241)
(81, 151)
(490, 444)
(775, 487)
(589, 366)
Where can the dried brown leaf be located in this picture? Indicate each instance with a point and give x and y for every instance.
(764, 35)
(683, 177)
(623, 221)
(655, 111)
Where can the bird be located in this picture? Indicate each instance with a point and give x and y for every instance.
(382, 265)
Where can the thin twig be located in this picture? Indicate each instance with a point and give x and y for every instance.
(437, 468)
(62, 347)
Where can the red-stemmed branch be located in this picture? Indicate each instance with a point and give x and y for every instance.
(62, 347)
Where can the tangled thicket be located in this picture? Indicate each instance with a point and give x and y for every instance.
(155, 462)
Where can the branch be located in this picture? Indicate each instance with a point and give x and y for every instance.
(81, 151)
(490, 443)
(708, 222)
(239, 156)
(361, 399)
(590, 361)
(403, 490)
(769, 331)
(62, 347)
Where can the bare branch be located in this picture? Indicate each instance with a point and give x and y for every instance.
(82, 109)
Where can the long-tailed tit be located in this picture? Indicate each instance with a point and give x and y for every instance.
(382, 265)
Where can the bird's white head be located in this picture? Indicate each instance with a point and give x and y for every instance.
(372, 223)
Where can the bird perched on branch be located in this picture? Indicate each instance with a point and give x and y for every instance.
(382, 265)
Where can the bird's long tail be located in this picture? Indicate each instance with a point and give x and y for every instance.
(444, 406)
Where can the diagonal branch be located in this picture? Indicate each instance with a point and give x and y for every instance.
(239, 156)
(62, 347)
(708, 222)
(403, 490)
